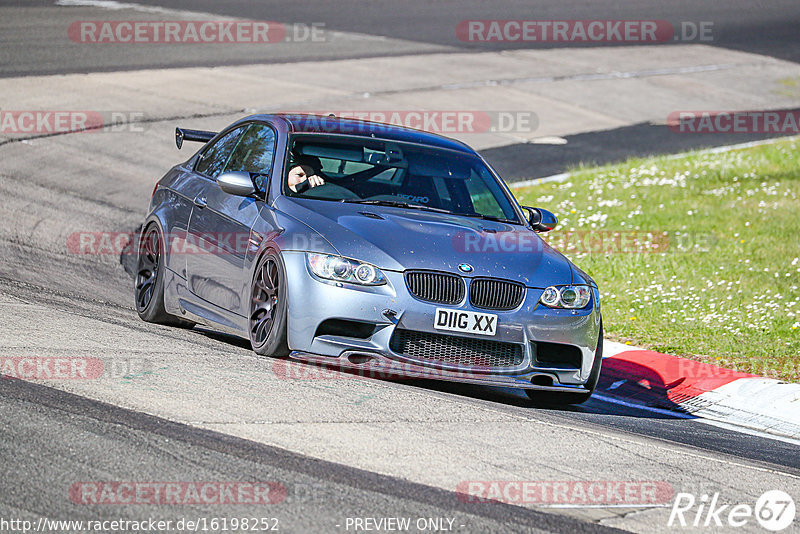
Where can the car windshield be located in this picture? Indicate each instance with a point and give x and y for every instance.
(405, 175)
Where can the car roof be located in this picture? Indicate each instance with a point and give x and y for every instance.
(309, 123)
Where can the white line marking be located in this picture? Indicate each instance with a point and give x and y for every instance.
(638, 506)
(564, 176)
(664, 444)
(117, 6)
(660, 411)
(705, 419)
(613, 348)
(548, 140)
(616, 384)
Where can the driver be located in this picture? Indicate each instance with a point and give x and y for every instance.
(304, 174)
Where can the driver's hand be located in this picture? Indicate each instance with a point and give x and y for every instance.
(298, 175)
(314, 181)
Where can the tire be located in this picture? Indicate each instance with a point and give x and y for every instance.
(563, 398)
(149, 280)
(268, 307)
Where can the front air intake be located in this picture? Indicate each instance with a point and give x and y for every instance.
(456, 350)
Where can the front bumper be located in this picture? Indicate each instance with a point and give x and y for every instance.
(313, 301)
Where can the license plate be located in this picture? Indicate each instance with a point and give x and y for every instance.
(465, 321)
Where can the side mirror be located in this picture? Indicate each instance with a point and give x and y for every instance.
(541, 220)
(236, 183)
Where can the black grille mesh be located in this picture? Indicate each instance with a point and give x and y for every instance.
(455, 350)
(495, 294)
(441, 288)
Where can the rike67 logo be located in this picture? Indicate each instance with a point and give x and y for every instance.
(774, 510)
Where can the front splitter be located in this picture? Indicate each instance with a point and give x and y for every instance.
(375, 365)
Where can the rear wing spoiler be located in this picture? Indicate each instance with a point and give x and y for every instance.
(201, 136)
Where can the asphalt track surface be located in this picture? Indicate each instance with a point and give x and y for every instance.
(761, 27)
(121, 442)
(52, 437)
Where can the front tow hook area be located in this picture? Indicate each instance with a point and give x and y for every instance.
(360, 358)
(390, 315)
(542, 380)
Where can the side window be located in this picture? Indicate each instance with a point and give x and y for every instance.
(213, 160)
(484, 192)
(254, 152)
(331, 167)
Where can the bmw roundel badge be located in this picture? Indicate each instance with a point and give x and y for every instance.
(466, 268)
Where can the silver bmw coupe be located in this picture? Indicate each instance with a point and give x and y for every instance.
(367, 246)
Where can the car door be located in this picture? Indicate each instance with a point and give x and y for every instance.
(222, 222)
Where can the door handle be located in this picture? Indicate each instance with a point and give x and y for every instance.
(200, 201)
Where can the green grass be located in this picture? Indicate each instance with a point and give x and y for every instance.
(715, 273)
(789, 87)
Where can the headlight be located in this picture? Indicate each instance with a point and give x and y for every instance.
(570, 297)
(344, 270)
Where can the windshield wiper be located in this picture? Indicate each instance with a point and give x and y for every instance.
(487, 217)
(399, 204)
(396, 204)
